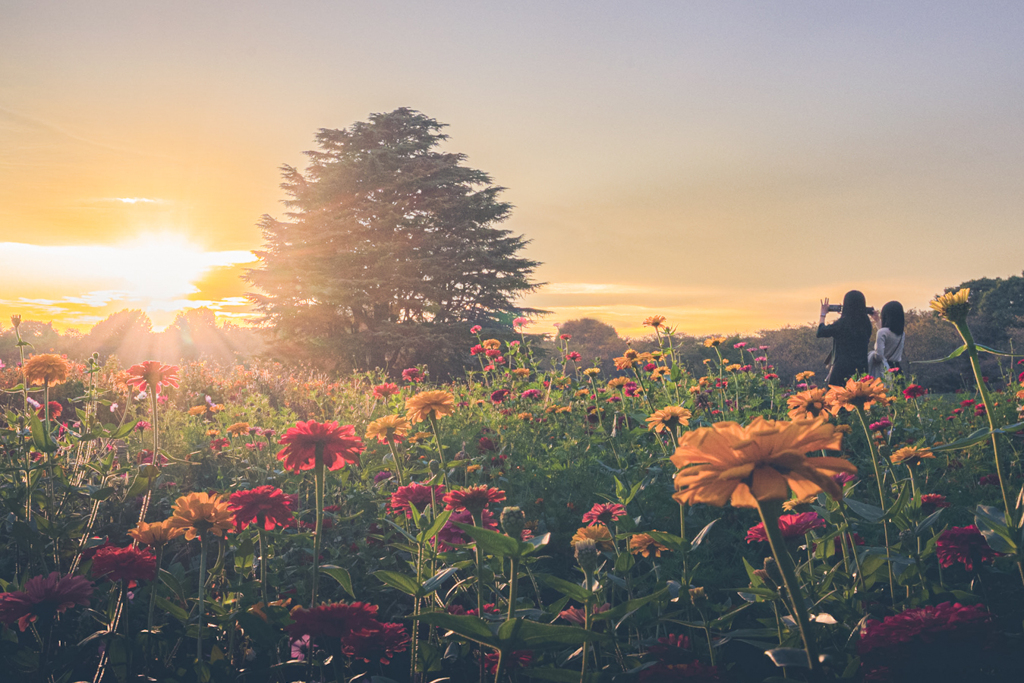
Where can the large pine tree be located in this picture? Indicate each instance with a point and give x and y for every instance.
(391, 250)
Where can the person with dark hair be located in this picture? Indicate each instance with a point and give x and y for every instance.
(850, 335)
(888, 353)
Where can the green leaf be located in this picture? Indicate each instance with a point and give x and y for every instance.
(574, 591)
(435, 581)
(42, 441)
(519, 634)
(174, 610)
(341, 575)
(102, 494)
(406, 584)
(988, 349)
(431, 531)
(871, 513)
(699, 538)
(624, 562)
(124, 430)
(469, 627)
(977, 437)
(951, 356)
(626, 608)
(673, 542)
(491, 542)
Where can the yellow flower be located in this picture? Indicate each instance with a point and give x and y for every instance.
(388, 428)
(590, 372)
(911, 456)
(566, 409)
(199, 513)
(804, 376)
(195, 411)
(47, 368)
(157, 533)
(654, 321)
(794, 503)
(582, 393)
(238, 429)
(694, 390)
(491, 344)
(521, 372)
(808, 404)
(713, 341)
(660, 372)
(644, 544)
(856, 395)
(472, 468)
(213, 432)
(618, 382)
(526, 417)
(598, 533)
(953, 306)
(761, 462)
(735, 367)
(426, 403)
(668, 417)
(419, 436)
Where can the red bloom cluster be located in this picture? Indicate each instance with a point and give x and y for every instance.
(517, 659)
(55, 410)
(266, 506)
(220, 444)
(382, 391)
(930, 502)
(450, 535)
(963, 544)
(474, 498)
(914, 391)
(604, 513)
(354, 626)
(989, 480)
(43, 597)
(414, 494)
(339, 444)
(573, 356)
(499, 396)
(412, 375)
(791, 526)
(123, 564)
(380, 646)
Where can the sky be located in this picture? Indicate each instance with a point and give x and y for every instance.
(724, 164)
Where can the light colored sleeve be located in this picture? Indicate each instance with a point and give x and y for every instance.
(880, 338)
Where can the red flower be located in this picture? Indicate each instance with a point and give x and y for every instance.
(43, 597)
(771, 375)
(914, 391)
(412, 375)
(518, 659)
(573, 356)
(486, 445)
(565, 337)
(337, 621)
(450, 535)
(340, 445)
(967, 402)
(475, 349)
(55, 410)
(930, 502)
(382, 391)
(380, 646)
(153, 375)
(475, 329)
(989, 480)
(266, 506)
(963, 544)
(123, 564)
(791, 526)
(499, 396)
(414, 494)
(672, 649)
(218, 445)
(474, 498)
(604, 513)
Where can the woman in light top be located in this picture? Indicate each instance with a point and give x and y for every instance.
(888, 353)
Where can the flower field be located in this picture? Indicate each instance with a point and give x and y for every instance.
(539, 519)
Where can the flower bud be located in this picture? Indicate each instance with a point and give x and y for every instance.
(587, 555)
(16, 321)
(771, 567)
(907, 536)
(698, 597)
(513, 520)
(765, 579)
(434, 466)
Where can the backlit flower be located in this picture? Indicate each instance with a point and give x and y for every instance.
(450, 535)
(713, 341)
(808, 404)
(654, 321)
(391, 428)
(380, 646)
(953, 306)
(44, 596)
(604, 513)
(414, 494)
(155, 534)
(336, 622)
(265, 506)
(645, 545)
(491, 344)
(123, 564)
(669, 418)
(763, 461)
(856, 394)
(474, 498)
(382, 391)
(791, 526)
(152, 375)
(930, 502)
(965, 545)
(339, 446)
(412, 375)
(914, 391)
(238, 429)
(429, 403)
(199, 513)
(911, 456)
(804, 376)
(598, 533)
(48, 369)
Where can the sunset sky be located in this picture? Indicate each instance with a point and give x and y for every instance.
(726, 164)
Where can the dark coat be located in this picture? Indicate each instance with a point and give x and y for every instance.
(850, 348)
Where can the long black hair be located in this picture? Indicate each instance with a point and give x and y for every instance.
(892, 317)
(855, 312)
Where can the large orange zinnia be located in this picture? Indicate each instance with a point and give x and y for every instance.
(808, 405)
(764, 461)
(426, 403)
(48, 369)
(857, 394)
(200, 513)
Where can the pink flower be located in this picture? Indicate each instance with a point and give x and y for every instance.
(965, 545)
(44, 597)
(604, 513)
(741, 345)
(791, 526)
(450, 535)
(412, 375)
(475, 329)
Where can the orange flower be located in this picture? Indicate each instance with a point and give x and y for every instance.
(911, 456)
(804, 376)
(645, 545)
(857, 395)
(153, 375)
(654, 321)
(426, 403)
(47, 368)
(598, 533)
(617, 382)
(199, 513)
(809, 404)
(388, 428)
(764, 461)
(491, 344)
(157, 533)
(668, 417)
(238, 429)
(713, 341)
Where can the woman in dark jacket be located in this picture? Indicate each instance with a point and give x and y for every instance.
(850, 335)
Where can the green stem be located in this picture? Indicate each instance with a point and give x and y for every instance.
(440, 451)
(318, 532)
(263, 565)
(398, 465)
(513, 587)
(881, 498)
(499, 672)
(202, 588)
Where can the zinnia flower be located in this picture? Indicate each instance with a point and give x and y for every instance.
(498, 396)
(157, 533)
(338, 444)
(199, 513)
(474, 498)
(391, 428)
(598, 533)
(645, 545)
(380, 646)
(791, 526)
(266, 506)
(963, 544)
(914, 391)
(382, 391)
(414, 494)
(761, 462)
(713, 341)
(930, 502)
(152, 374)
(604, 513)
(47, 368)
(123, 564)
(429, 403)
(810, 404)
(669, 418)
(238, 429)
(654, 321)
(55, 410)
(857, 394)
(953, 306)
(412, 375)
(911, 456)
(44, 597)
(337, 622)
(516, 659)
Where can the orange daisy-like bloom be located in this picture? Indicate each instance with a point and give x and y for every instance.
(591, 372)
(48, 369)
(200, 513)
(668, 417)
(857, 395)
(474, 498)
(491, 344)
(391, 428)
(804, 376)
(157, 533)
(627, 360)
(654, 321)
(339, 446)
(953, 306)
(617, 382)
(597, 533)
(195, 411)
(810, 404)
(152, 374)
(764, 461)
(238, 429)
(645, 545)
(521, 372)
(426, 403)
(660, 372)
(714, 341)
(911, 456)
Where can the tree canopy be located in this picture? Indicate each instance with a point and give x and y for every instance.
(390, 250)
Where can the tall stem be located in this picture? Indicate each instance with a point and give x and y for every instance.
(440, 451)
(156, 450)
(318, 533)
(263, 565)
(513, 586)
(202, 589)
(398, 465)
(881, 498)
